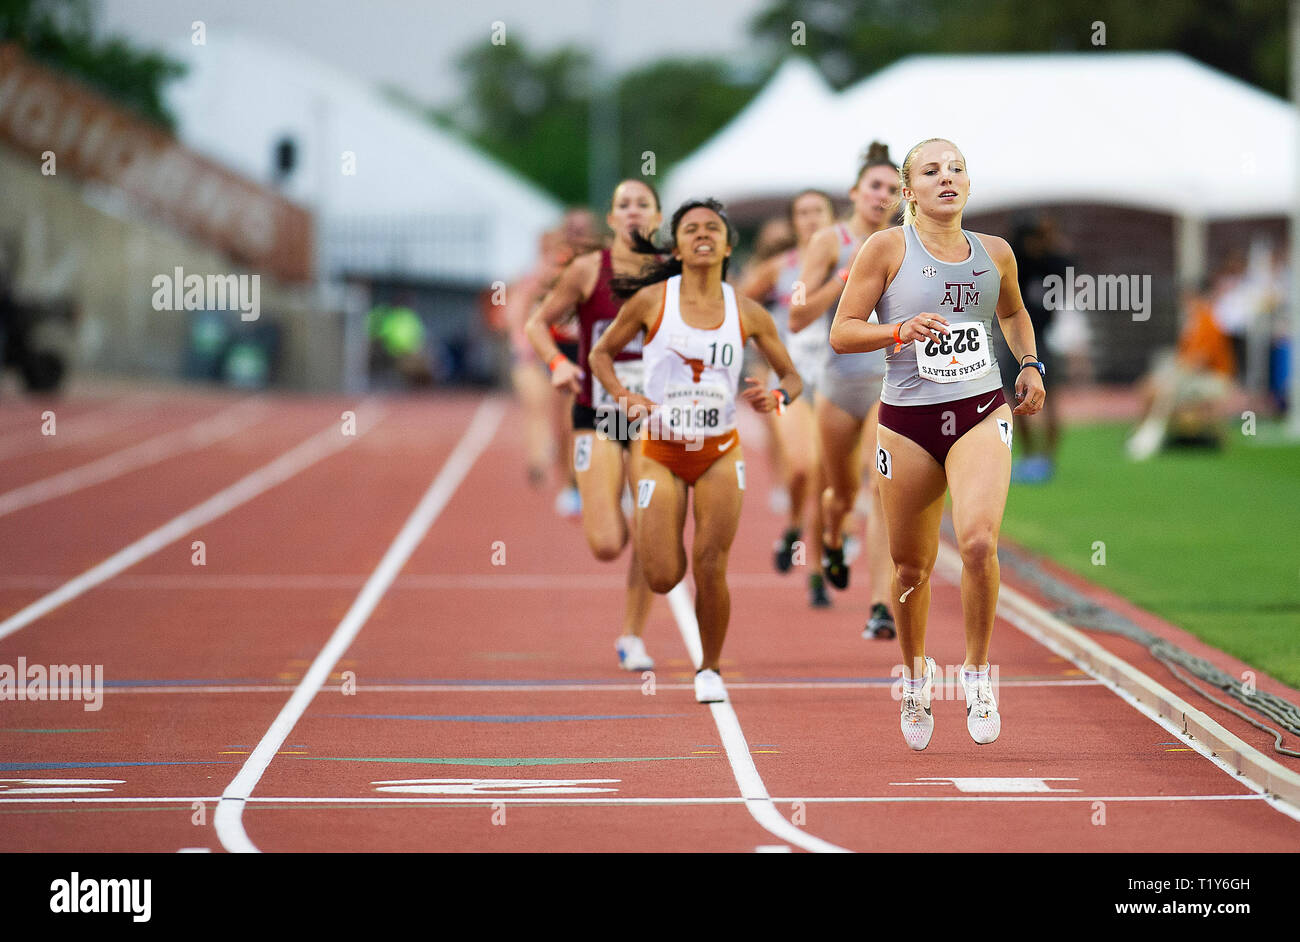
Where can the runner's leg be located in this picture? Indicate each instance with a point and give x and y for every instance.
(718, 498)
(912, 496)
(979, 472)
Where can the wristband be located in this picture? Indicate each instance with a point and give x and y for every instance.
(781, 398)
(554, 360)
(898, 340)
(1033, 355)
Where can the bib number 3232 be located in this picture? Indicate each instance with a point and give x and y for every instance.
(955, 357)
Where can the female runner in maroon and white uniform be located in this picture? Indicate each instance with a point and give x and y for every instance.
(945, 425)
(602, 460)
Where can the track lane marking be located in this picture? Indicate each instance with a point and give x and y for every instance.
(228, 819)
(205, 432)
(597, 687)
(1124, 678)
(752, 790)
(706, 800)
(304, 455)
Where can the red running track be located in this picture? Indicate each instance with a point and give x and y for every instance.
(480, 708)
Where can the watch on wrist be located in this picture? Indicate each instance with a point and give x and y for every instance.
(785, 396)
(1036, 364)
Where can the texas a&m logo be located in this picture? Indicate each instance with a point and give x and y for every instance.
(958, 294)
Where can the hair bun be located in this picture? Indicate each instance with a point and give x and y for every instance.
(877, 151)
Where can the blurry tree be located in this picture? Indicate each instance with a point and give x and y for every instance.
(60, 33)
(850, 39)
(672, 107)
(532, 111)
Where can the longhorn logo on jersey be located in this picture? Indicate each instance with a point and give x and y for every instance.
(697, 366)
(958, 294)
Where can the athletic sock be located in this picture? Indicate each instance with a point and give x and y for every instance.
(973, 676)
(913, 684)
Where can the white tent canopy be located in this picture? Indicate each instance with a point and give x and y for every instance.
(1156, 131)
(763, 150)
(429, 203)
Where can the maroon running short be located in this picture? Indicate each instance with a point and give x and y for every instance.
(937, 427)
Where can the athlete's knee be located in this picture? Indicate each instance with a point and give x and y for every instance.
(661, 577)
(912, 572)
(708, 561)
(606, 538)
(605, 549)
(978, 547)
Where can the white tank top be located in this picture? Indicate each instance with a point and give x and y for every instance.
(691, 372)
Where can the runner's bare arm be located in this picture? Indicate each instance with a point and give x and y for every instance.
(817, 279)
(760, 281)
(1016, 326)
(638, 313)
(852, 331)
(758, 324)
(574, 285)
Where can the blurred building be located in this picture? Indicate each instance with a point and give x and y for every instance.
(404, 211)
(333, 196)
(1149, 163)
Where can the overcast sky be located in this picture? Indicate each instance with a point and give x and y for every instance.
(413, 43)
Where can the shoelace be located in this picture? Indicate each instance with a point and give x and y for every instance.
(984, 702)
(911, 705)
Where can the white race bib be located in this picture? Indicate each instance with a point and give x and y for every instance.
(631, 373)
(961, 355)
(694, 410)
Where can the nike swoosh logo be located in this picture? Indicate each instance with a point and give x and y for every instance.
(978, 273)
(985, 406)
(727, 445)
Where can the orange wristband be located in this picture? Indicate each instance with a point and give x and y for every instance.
(898, 340)
(554, 360)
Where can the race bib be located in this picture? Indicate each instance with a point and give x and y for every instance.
(961, 355)
(694, 410)
(631, 373)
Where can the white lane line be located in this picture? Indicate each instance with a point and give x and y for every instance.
(297, 459)
(720, 800)
(228, 820)
(1279, 785)
(151, 451)
(752, 789)
(74, 692)
(74, 429)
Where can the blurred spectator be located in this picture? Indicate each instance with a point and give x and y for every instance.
(398, 343)
(1183, 394)
(1039, 255)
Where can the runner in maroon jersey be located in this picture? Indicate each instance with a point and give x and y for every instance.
(602, 461)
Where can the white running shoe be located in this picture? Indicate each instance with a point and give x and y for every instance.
(709, 688)
(982, 718)
(631, 654)
(917, 721)
(568, 503)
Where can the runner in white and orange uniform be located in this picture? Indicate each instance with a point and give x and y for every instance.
(771, 283)
(848, 390)
(945, 424)
(602, 458)
(695, 330)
